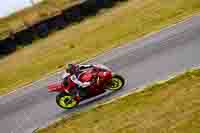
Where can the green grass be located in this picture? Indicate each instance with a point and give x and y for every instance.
(32, 15)
(170, 107)
(110, 28)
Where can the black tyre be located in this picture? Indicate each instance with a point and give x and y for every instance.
(117, 83)
(66, 101)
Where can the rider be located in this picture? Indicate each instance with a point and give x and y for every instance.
(74, 70)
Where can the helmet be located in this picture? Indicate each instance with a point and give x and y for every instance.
(72, 68)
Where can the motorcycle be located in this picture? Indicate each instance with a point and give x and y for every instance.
(102, 80)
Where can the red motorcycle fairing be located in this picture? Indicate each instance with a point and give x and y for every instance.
(95, 89)
(86, 77)
(106, 75)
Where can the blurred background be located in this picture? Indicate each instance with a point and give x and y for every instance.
(8, 7)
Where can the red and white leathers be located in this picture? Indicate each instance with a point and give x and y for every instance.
(83, 68)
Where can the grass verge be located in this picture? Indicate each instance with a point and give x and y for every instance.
(170, 107)
(91, 37)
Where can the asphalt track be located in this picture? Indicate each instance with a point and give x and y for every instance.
(148, 59)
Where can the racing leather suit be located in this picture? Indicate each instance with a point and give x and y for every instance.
(82, 68)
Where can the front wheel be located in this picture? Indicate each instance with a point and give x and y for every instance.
(66, 101)
(117, 83)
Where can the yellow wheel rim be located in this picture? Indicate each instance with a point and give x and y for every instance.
(116, 84)
(67, 102)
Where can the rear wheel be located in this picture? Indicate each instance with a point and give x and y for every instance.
(66, 101)
(117, 83)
